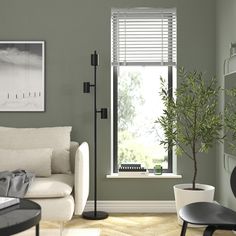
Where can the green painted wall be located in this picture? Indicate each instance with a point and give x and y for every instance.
(72, 29)
(225, 34)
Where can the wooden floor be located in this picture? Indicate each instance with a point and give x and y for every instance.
(136, 225)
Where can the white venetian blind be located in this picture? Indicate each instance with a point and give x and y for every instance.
(143, 37)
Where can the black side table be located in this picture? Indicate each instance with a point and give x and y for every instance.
(20, 217)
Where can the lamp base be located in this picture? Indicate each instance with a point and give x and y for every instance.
(95, 215)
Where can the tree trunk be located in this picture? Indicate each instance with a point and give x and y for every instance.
(194, 148)
(195, 170)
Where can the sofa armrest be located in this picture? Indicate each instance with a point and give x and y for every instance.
(73, 148)
(81, 187)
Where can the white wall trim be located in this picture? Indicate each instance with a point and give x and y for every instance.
(133, 206)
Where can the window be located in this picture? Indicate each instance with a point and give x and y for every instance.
(143, 49)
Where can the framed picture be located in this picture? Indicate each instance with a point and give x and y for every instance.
(22, 76)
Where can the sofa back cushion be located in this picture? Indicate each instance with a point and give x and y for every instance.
(37, 161)
(57, 138)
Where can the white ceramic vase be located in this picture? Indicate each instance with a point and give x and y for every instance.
(184, 197)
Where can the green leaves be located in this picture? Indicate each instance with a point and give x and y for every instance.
(190, 122)
(128, 91)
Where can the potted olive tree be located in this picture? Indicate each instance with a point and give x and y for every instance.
(191, 124)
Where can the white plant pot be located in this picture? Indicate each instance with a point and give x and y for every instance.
(184, 197)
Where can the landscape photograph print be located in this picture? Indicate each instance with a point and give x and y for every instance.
(22, 76)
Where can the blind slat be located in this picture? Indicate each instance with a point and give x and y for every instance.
(143, 36)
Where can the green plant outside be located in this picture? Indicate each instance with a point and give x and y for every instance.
(131, 148)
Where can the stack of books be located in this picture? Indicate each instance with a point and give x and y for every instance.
(132, 170)
(8, 201)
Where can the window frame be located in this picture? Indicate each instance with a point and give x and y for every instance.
(171, 63)
(115, 120)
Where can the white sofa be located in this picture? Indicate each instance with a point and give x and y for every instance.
(61, 195)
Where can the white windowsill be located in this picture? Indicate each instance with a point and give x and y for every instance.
(149, 176)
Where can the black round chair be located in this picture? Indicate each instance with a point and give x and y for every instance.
(213, 215)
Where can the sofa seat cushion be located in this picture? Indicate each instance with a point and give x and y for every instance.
(54, 186)
(56, 209)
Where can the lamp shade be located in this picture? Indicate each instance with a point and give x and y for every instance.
(94, 59)
(86, 87)
(103, 113)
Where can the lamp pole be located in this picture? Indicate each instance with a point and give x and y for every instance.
(95, 215)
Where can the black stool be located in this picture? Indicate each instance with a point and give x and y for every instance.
(213, 215)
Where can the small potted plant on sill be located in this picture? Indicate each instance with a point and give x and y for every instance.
(157, 169)
(191, 124)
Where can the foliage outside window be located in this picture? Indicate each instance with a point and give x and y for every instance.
(143, 50)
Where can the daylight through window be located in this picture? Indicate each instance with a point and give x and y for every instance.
(143, 50)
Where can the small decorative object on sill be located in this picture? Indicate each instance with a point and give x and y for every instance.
(157, 170)
(132, 170)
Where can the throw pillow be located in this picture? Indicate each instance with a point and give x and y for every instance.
(37, 161)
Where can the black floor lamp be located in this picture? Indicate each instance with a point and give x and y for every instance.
(95, 215)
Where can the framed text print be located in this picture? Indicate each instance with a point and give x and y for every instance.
(22, 76)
